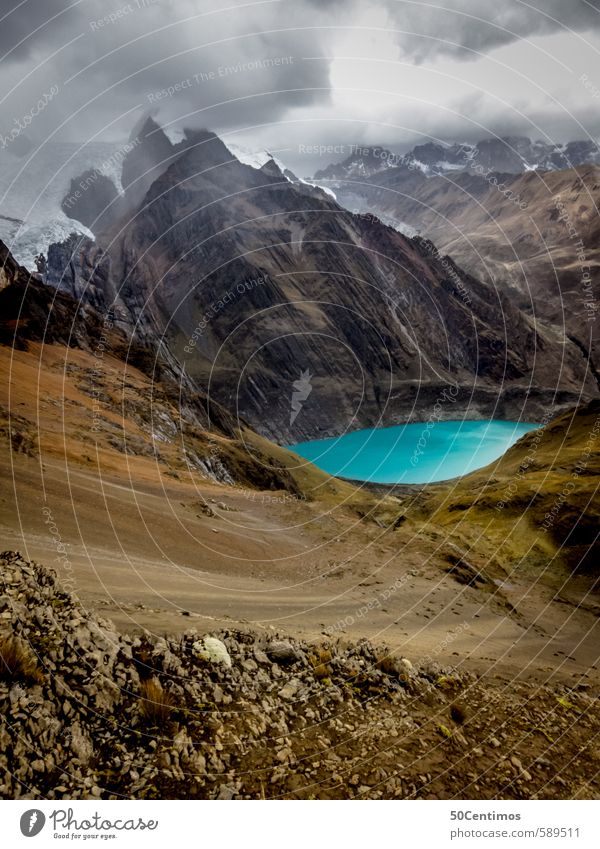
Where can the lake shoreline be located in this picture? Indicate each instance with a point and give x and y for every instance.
(414, 454)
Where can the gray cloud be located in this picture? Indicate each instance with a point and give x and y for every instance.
(223, 69)
(467, 28)
(264, 65)
(25, 25)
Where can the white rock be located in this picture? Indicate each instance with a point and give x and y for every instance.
(209, 648)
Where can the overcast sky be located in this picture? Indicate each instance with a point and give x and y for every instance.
(288, 74)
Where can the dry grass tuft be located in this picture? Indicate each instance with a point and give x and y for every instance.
(319, 659)
(458, 712)
(144, 663)
(156, 705)
(18, 662)
(388, 664)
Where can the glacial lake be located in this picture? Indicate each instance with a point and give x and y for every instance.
(413, 453)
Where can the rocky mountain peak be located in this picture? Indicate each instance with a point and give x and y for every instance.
(152, 154)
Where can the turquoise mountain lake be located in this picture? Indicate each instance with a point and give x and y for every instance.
(413, 453)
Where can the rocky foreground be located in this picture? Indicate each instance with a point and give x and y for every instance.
(90, 713)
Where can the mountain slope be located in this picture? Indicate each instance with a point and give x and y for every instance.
(534, 235)
(111, 716)
(538, 505)
(118, 399)
(251, 281)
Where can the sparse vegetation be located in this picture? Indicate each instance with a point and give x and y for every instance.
(320, 659)
(18, 662)
(387, 663)
(142, 659)
(264, 728)
(539, 499)
(446, 682)
(156, 704)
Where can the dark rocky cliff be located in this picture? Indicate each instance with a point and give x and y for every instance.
(250, 281)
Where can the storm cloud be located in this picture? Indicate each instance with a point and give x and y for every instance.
(467, 28)
(220, 67)
(276, 73)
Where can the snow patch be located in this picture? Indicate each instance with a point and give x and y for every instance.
(174, 134)
(28, 240)
(317, 185)
(31, 189)
(421, 166)
(450, 166)
(255, 159)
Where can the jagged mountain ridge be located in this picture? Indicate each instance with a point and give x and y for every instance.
(249, 280)
(508, 155)
(147, 154)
